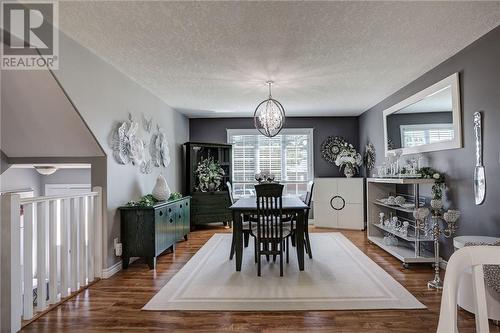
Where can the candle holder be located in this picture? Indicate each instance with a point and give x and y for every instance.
(450, 218)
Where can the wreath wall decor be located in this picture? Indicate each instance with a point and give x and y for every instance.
(369, 158)
(331, 147)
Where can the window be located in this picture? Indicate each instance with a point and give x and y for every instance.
(288, 155)
(417, 135)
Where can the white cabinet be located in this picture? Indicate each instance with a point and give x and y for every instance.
(338, 203)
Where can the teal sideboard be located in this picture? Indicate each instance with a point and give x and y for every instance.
(148, 231)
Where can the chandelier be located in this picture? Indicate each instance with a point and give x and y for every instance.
(269, 116)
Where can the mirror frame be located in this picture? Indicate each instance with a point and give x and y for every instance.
(453, 81)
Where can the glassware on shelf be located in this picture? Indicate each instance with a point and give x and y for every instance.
(404, 228)
(381, 218)
(390, 240)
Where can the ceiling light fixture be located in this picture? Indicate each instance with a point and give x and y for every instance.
(269, 115)
(45, 170)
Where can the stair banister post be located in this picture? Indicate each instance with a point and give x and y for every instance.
(98, 234)
(10, 264)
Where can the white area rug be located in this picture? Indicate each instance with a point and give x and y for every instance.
(339, 277)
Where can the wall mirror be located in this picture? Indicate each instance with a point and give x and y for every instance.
(428, 121)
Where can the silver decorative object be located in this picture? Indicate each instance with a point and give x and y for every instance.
(159, 151)
(331, 147)
(126, 145)
(369, 158)
(147, 123)
(479, 174)
(161, 191)
(399, 200)
(269, 116)
(146, 167)
(436, 204)
(450, 218)
(136, 150)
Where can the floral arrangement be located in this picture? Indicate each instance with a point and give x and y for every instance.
(209, 174)
(174, 196)
(439, 185)
(144, 201)
(348, 158)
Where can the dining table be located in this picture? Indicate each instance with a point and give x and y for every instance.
(293, 206)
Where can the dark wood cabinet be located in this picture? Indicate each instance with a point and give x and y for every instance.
(149, 231)
(208, 207)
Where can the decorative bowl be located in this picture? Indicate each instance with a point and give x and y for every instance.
(400, 200)
(421, 213)
(436, 203)
(451, 216)
(391, 200)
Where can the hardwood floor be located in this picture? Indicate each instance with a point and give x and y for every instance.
(114, 305)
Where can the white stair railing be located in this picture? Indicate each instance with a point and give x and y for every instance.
(53, 248)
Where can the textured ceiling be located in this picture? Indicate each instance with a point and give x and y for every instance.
(212, 59)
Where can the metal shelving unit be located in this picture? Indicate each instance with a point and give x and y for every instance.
(410, 247)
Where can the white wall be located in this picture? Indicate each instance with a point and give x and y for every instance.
(103, 95)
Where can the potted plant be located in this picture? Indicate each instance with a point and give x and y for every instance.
(348, 158)
(209, 174)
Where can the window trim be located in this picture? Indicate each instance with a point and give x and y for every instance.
(286, 131)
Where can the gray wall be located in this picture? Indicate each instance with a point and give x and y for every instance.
(21, 179)
(34, 107)
(67, 176)
(214, 130)
(103, 96)
(4, 164)
(479, 68)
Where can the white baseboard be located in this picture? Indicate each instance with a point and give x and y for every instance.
(110, 271)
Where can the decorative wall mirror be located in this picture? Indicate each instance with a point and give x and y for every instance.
(428, 121)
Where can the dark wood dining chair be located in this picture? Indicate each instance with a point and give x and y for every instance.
(308, 200)
(245, 225)
(270, 231)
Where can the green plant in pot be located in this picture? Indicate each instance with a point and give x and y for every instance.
(209, 175)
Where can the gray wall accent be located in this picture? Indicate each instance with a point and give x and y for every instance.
(4, 163)
(67, 176)
(479, 68)
(396, 120)
(21, 179)
(34, 107)
(214, 130)
(103, 96)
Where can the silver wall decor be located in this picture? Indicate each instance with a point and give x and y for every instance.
(147, 123)
(479, 174)
(135, 144)
(160, 154)
(330, 148)
(123, 136)
(369, 158)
